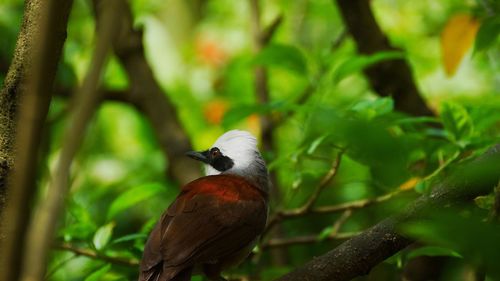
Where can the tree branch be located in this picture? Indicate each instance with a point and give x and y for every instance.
(306, 207)
(148, 97)
(96, 255)
(30, 79)
(327, 178)
(360, 254)
(44, 222)
(333, 235)
(388, 78)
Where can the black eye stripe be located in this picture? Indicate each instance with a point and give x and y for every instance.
(219, 161)
(222, 163)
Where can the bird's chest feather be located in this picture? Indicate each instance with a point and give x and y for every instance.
(224, 188)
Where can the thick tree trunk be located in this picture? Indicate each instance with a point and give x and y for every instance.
(24, 104)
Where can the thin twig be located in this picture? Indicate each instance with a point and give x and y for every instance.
(96, 255)
(358, 204)
(307, 206)
(333, 235)
(327, 178)
(268, 33)
(340, 221)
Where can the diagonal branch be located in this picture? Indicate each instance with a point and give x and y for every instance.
(146, 94)
(360, 254)
(389, 78)
(327, 178)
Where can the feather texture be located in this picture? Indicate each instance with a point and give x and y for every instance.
(211, 225)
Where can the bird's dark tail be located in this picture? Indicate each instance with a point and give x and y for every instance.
(152, 274)
(157, 274)
(184, 275)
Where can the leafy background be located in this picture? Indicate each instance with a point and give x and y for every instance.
(205, 61)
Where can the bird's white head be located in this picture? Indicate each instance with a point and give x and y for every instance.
(235, 152)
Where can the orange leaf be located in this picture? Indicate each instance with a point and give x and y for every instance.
(409, 184)
(457, 37)
(253, 124)
(214, 111)
(211, 52)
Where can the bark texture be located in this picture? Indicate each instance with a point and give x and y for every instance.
(360, 254)
(14, 83)
(25, 102)
(389, 78)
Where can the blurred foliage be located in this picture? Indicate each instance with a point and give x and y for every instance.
(202, 55)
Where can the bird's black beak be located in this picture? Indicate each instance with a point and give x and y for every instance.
(200, 156)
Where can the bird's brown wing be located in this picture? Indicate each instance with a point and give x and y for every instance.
(201, 229)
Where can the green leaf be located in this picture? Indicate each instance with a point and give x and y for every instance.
(133, 197)
(456, 121)
(359, 63)
(464, 232)
(283, 56)
(240, 112)
(103, 235)
(316, 143)
(485, 202)
(487, 34)
(325, 233)
(372, 108)
(97, 275)
(432, 251)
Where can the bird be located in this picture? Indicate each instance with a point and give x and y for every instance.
(216, 220)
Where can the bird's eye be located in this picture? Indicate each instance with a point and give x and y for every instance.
(215, 152)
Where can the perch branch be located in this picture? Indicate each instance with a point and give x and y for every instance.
(358, 255)
(96, 255)
(327, 178)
